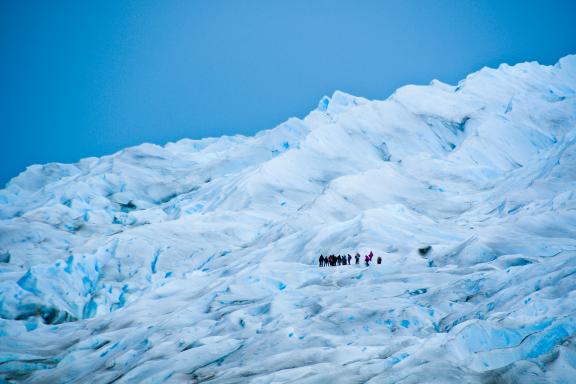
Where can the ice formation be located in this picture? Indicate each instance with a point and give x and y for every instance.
(197, 261)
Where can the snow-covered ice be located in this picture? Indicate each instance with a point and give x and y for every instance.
(197, 261)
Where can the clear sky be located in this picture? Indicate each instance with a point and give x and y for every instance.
(87, 78)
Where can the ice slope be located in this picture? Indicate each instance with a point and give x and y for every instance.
(197, 261)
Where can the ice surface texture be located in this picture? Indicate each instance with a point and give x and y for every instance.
(197, 261)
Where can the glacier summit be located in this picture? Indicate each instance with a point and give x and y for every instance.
(197, 261)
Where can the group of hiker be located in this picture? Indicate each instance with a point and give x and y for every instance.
(333, 260)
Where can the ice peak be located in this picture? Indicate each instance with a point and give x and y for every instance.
(339, 102)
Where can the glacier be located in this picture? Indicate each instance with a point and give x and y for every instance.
(197, 261)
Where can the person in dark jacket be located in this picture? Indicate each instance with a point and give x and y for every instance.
(379, 260)
(357, 257)
(349, 259)
(339, 260)
(367, 260)
(321, 261)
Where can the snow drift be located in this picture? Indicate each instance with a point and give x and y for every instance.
(197, 261)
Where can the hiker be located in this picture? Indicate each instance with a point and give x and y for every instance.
(346, 259)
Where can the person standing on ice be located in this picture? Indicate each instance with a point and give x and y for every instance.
(321, 260)
(367, 260)
(339, 260)
(379, 260)
(357, 257)
(370, 255)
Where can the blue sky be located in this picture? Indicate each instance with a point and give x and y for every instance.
(81, 78)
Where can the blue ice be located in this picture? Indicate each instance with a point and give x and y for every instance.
(29, 283)
(155, 261)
